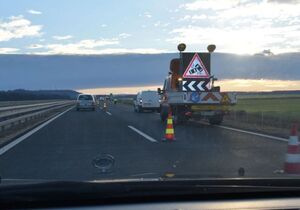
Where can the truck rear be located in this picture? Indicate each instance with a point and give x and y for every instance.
(189, 91)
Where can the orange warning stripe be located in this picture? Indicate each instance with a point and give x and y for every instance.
(210, 96)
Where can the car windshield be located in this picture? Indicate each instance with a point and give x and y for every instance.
(85, 98)
(125, 90)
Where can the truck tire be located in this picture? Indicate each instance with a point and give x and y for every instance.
(179, 115)
(216, 119)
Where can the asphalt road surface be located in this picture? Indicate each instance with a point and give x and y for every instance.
(65, 148)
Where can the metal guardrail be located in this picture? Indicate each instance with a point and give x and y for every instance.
(9, 123)
(20, 110)
(7, 108)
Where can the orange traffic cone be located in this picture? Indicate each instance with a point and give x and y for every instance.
(169, 136)
(292, 158)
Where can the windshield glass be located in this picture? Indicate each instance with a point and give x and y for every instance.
(218, 84)
(85, 97)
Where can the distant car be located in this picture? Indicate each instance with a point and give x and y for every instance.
(147, 100)
(86, 101)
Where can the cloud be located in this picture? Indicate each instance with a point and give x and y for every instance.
(18, 27)
(35, 46)
(34, 12)
(87, 46)
(241, 26)
(124, 35)
(230, 9)
(194, 17)
(103, 25)
(146, 14)
(62, 37)
(91, 47)
(241, 41)
(8, 50)
(285, 1)
(160, 24)
(173, 10)
(261, 10)
(208, 4)
(135, 51)
(83, 51)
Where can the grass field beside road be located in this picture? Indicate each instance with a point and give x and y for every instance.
(283, 106)
(269, 113)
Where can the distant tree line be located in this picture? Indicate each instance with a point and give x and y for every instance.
(22, 95)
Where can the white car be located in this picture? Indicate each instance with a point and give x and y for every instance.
(147, 100)
(86, 101)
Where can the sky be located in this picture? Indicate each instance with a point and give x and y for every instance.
(105, 27)
(66, 27)
(244, 85)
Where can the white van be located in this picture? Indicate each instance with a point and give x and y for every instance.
(147, 100)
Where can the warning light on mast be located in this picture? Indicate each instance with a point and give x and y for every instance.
(211, 48)
(181, 47)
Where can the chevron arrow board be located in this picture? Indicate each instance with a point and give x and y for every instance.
(195, 85)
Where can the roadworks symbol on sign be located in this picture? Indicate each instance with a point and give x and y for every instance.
(196, 69)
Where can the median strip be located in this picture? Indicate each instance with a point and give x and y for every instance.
(142, 134)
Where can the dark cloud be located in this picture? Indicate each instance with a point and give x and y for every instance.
(81, 72)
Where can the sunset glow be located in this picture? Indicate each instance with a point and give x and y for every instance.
(226, 85)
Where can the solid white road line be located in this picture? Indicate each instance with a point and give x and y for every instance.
(247, 132)
(108, 113)
(252, 133)
(142, 134)
(26, 135)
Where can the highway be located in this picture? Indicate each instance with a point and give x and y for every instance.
(64, 149)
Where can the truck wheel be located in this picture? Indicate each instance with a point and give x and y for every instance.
(216, 119)
(179, 115)
(179, 118)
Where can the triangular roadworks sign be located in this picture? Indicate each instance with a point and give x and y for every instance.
(196, 69)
